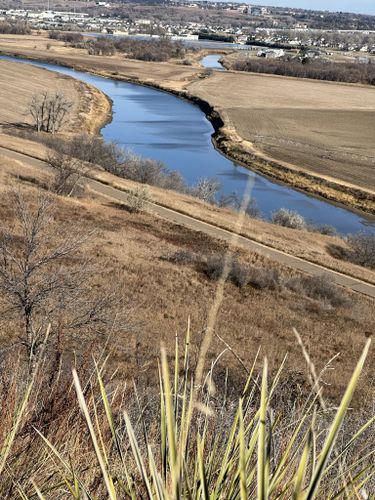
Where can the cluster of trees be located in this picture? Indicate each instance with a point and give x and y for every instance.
(49, 111)
(216, 37)
(69, 37)
(318, 70)
(14, 28)
(161, 49)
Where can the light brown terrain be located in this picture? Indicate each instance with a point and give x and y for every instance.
(321, 127)
(316, 136)
(132, 251)
(18, 84)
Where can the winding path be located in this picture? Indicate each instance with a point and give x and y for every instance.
(175, 217)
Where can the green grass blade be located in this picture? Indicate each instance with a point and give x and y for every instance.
(329, 443)
(262, 480)
(82, 403)
(5, 450)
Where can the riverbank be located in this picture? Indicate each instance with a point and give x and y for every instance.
(195, 85)
(90, 111)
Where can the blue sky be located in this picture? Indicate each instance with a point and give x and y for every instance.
(360, 6)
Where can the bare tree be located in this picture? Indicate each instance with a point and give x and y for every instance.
(38, 283)
(68, 172)
(49, 111)
(207, 189)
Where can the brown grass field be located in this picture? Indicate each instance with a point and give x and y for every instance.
(19, 83)
(130, 250)
(321, 127)
(313, 247)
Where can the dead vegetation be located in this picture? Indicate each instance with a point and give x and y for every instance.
(129, 251)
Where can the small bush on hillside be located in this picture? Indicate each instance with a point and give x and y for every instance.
(206, 189)
(252, 209)
(362, 249)
(213, 267)
(137, 199)
(325, 229)
(182, 257)
(319, 288)
(263, 278)
(241, 274)
(288, 218)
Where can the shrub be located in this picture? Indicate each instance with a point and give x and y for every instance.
(206, 189)
(137, 199)
(319, 288)
(241, 274)
(181, 257)
(213, 267)
(362, 249)
(288, 218)
(252, 209)
(325, 229)
(262, 278)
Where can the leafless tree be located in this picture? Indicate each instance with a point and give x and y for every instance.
(207, 189)
(49, 111)
(68, 172)
(39, 286)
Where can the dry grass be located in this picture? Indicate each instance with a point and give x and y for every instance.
(130, 248)
(19, 82)
(172, 75)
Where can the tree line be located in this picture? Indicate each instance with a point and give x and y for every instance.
(317, 70)
(14, 28)
(161, 49)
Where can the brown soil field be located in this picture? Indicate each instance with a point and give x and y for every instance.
(19, 82)
(131, 250)
(313, 135)
(318, 126)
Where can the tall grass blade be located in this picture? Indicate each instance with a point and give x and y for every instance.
(82, 403)
(336, 425)
(262, 479)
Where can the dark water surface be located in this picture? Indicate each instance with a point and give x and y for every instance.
(161, 126)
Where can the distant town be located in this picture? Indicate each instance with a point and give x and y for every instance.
(273, 29)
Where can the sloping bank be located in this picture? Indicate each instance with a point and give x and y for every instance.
(228, 142)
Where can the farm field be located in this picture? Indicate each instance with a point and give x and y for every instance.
(321, 127)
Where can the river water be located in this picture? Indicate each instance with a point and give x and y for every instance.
(164, 127)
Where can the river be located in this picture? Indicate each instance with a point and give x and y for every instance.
(164, 127)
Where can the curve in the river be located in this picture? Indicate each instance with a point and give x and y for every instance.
(212, 61)
(161, 126)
